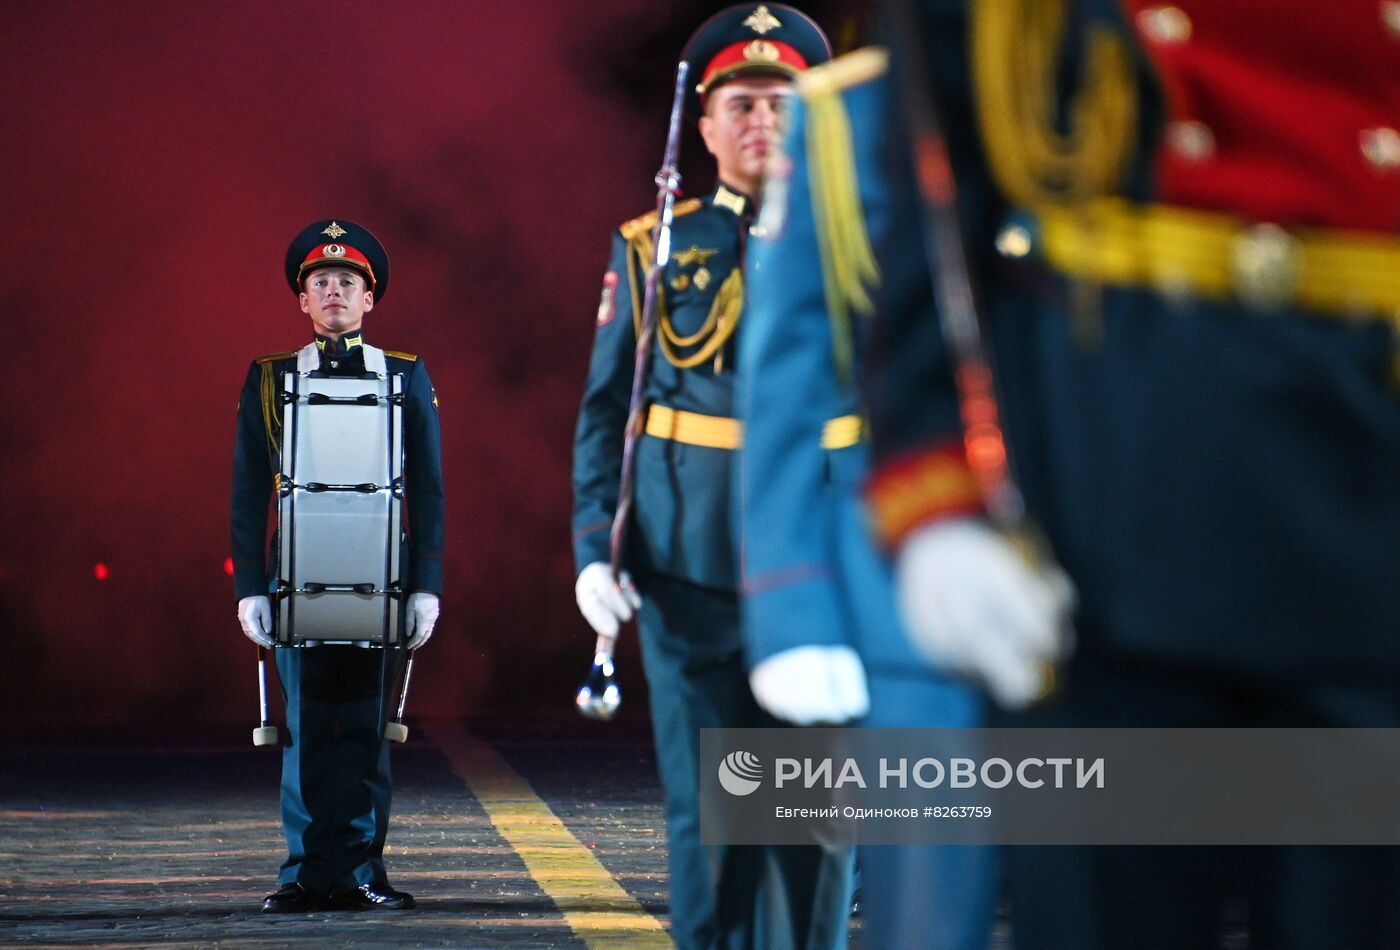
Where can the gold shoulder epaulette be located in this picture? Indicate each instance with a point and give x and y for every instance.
(843, 72)
(274, 357)
(648, 221)
(411, 357)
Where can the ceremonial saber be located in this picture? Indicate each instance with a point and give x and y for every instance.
(961, 319)
(599, 697)
(266, 733)
(395, 730)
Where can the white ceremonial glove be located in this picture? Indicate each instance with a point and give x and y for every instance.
(812, 684)
(973, 605)
(422, 617)
(606, 604)
(255, 617)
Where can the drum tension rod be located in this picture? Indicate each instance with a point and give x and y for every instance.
(321, 399)
(312, 587)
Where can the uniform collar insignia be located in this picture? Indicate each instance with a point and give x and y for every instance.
(694, 255)
(334, 231)
(730, 200)
(346, 343)
(761, 21)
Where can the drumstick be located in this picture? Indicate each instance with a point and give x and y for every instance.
(395, 730)
(265, 734)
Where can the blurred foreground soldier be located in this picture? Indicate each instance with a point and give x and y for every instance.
(681, 548)
(819, 611)
(1182, 219)
(335, 768)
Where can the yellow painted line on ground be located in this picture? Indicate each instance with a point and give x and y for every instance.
(598, 909)
(478, 923)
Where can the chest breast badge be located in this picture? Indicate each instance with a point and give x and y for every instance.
(695, 254)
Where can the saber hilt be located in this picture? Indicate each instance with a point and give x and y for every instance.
(599, 697)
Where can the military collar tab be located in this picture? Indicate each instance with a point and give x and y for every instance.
(730, 200)
(344, 345)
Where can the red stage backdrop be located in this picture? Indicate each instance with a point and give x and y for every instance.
(157, 158)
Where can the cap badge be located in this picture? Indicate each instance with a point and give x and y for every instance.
(334, 231)
(334, 250)
(761, 21)
(762, 50)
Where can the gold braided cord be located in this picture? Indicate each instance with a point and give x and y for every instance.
(714, 333)
(724, 316)
(637, 264)
(639, 236)
(848, 262)
(272, 419)
(668, 329)
(669, 340)
(1015, 49)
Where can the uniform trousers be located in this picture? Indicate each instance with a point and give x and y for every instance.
(926, 897)
(336, 788)
(724, 896)
(1184, 898)
(939, 897)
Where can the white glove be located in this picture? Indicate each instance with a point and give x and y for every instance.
(973, 605)
(812, 684)
(255, 617)
(605, 603)
(422, 617)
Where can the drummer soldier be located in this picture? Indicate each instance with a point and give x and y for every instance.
(335, 769)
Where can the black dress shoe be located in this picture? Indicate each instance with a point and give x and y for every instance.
(291, 899)
(376, 895)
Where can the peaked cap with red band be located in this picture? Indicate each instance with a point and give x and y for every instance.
(338, 243)
(765, 39)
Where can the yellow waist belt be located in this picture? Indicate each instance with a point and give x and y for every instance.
(1334, 273)
(721, 432)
